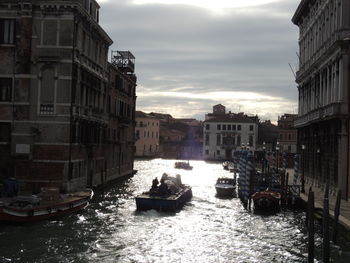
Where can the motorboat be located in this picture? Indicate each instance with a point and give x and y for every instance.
(225, 165)
(266, 201)
(225, 186)
(46, 205)
(183, 165)
(170, 195)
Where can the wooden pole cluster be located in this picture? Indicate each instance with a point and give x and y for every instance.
(325, 224)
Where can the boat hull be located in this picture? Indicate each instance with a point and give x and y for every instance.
(44, 212)
(160, 203)
(225, 191)
(265, 202)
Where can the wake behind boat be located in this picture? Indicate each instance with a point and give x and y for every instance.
(225, 187)
(48, 204)
(170, 195)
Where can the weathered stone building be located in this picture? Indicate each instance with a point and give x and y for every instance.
(225, 133)
(66, 114)
(287, 134)
(146, 135)
(323, 84)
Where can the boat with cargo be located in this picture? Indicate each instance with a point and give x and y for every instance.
(169, 195)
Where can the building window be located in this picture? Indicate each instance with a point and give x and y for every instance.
(5, 132)
(218, 152)
(239, 142)
(207, 126)
(7, 31)
(229, 127)
(251, 141)
(251, 128)
(207, 139)
(233, 127)
(239, 127)
(218, 127)
(206, 152)
(5, 89)
(218, 139)
(224, 127)
(289, 136)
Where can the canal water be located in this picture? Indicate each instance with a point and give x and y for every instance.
(207, 229)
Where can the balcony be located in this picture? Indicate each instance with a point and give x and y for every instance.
(228, 146)
(330, 111)
(124, 61)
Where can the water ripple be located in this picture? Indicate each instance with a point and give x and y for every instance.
(208, 229)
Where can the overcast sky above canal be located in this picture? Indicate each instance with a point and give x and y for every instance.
(193, 54)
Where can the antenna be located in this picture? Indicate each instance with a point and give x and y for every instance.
(295, 76)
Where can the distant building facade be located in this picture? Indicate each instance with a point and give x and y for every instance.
(58, 120)
(287, 134)
(323, 84)
(146, 135)
(226, 132)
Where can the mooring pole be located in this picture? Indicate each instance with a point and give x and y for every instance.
(336, 217)
(311, 228)
(282, 178)
(326, 225)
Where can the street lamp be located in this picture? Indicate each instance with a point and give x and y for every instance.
(277, 149)
(303, 147)
(263, 158)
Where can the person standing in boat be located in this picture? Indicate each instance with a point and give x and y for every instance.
(155, 183)
(163, 188)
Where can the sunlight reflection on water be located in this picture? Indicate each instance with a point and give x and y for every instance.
(207, 229)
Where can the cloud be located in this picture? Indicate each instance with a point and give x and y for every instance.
(185, 53)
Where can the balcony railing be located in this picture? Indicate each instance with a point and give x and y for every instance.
(331, 110)
(228, 146)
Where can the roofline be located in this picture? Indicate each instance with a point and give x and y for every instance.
(300, 10)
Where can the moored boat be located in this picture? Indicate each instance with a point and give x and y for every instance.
(232, 167)
(170, 195)
(48, 204)
(225, 165)
(183, 165)
(225, 187)
(266, 201)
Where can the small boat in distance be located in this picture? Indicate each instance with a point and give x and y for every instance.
(225, 165)
(266, 201)
(170, 195)
(225, 187)
(183, 165)
(46, 205)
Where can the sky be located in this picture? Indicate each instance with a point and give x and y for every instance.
(194, 54)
